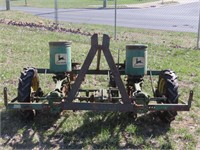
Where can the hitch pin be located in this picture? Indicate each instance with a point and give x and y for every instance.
(5, 96)
(190, 99)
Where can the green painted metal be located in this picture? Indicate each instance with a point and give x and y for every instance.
(28, 106)
(99, 107)
(136, 60)
(140, 96)
(54, 96)
(60, 56)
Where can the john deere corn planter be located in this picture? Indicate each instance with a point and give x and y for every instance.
(119, 96)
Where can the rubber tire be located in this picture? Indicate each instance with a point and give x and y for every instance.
(168, 87)
(24, 92)
(24, 86)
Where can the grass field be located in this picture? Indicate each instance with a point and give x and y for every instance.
(28, 46)
(71, 3)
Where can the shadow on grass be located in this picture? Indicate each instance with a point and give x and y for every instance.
(110, 131)
(22, 134)
(97, 131)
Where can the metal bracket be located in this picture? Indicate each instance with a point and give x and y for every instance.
(94, 48)
(190, 99)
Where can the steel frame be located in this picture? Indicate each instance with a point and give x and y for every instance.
(127, 104)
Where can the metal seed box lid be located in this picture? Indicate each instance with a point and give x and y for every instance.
(136, 46)
(60, 43)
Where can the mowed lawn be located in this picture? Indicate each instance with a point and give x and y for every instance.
(71, 3)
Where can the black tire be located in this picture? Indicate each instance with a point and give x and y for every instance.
(24, 86)
(168, 87)
(24, 92)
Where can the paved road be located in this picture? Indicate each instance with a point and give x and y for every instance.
(175, 17)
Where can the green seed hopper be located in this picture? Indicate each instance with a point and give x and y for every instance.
(121, 96)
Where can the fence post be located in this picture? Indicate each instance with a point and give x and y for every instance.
(198, 34)
(7, 4)
(115, 19)
(104, 3)
(56, 13)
